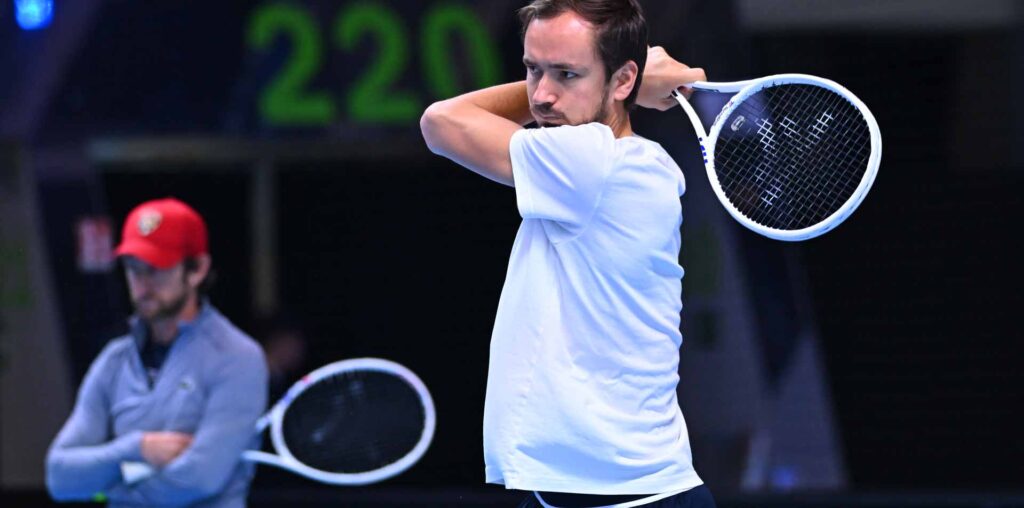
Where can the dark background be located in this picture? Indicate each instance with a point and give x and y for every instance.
(385, 250)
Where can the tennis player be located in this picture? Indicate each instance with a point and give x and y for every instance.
(182, 391)
(581, 402)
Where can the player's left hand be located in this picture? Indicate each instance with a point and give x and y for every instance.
(160, 448)
(662, 75)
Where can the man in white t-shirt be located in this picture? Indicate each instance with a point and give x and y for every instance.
(581, 402)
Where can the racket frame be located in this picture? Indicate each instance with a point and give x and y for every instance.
(744, 89)
(286, 460)
(133, 472)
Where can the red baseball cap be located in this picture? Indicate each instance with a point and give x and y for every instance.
(163, 232)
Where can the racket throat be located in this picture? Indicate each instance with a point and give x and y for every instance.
(265, 458)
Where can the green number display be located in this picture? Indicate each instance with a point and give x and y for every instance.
(438, 27)
(372, 99)
(286, 101)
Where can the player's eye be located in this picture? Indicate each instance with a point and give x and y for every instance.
(569, 74)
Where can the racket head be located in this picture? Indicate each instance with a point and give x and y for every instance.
(842, 168)
(349, 388)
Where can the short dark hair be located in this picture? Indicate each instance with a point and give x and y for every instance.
(620, 26)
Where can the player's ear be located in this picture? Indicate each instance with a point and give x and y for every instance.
(624, 80)
(198, 269)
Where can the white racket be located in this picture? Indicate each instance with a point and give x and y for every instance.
(351, 422)
(791, 156)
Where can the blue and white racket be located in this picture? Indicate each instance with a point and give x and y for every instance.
(790, 156)
(351, 422)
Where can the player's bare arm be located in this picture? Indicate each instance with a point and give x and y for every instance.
(474, 129)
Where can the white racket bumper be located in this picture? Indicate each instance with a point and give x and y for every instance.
(744, 89)
(287, 460)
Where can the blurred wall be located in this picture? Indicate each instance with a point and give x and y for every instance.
(36, 388)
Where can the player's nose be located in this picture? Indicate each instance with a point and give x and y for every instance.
(544, 93)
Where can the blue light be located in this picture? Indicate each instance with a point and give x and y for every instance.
(785, 477)
(33, 14)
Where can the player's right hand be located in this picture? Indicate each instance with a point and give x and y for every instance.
(662, 75)
(160, 448)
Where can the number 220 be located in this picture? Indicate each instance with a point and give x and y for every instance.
(286, 100)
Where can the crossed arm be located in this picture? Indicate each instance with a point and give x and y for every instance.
(84, 462)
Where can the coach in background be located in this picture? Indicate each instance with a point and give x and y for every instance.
(181, 392)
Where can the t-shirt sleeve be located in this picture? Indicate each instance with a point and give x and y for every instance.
(560, 172)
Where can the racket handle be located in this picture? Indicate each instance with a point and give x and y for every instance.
(134, 472)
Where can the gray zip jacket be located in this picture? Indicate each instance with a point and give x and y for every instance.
(213, 385)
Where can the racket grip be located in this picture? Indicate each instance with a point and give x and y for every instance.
(134, 472)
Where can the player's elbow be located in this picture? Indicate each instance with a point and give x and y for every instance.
(57, 490)
(63, 495)
(59, 484)
(60, 495)
(64, 483)
(434, 123)
(54, 485)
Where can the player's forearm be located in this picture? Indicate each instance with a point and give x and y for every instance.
(80, 472)
(506, 101)
(164, 489)
(474, 129)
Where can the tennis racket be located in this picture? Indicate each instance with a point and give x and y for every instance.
(351, 422)
(791, 156)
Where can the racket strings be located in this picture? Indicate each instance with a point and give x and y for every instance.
(789, 156)
(792, 166)
(814, 200)
(802, 176)
(354, 422)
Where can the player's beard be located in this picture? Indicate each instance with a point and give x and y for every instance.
(600, 116)
(166, 310)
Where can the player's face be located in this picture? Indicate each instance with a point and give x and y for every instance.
(565, 78)
(156, 294)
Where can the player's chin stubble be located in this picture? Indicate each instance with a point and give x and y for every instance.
(600, 116)
(164, 311)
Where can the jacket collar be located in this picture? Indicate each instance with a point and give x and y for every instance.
(140, 332)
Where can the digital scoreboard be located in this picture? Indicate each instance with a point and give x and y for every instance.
(344, 69)
(383, 42)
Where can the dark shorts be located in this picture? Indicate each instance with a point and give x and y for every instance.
(697, 497)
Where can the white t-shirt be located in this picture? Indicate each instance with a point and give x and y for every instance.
(581, 389)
